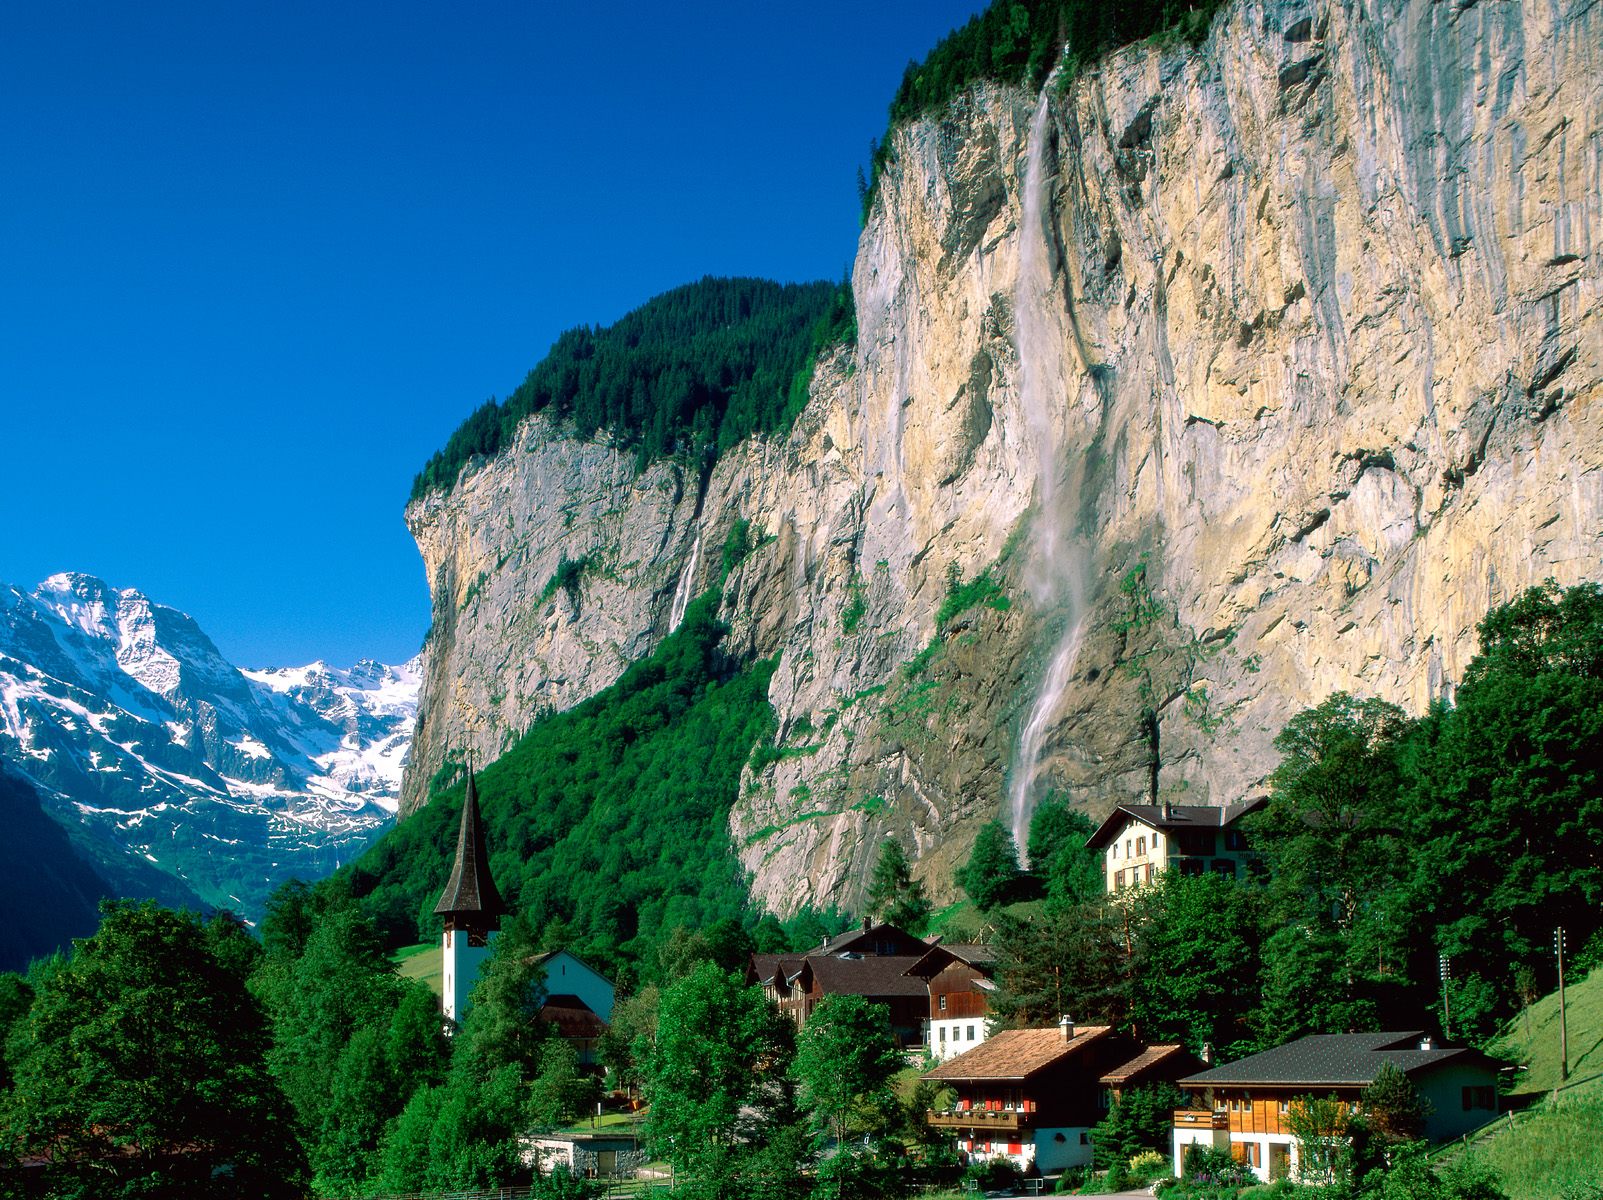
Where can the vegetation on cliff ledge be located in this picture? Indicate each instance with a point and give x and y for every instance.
(1020, 41)
(696, 369)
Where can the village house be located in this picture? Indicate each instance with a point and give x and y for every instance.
(1033, 1095)
(578, 1002)
(1244, 1106)
(872, 962)
(958, 980)
(1141, 841)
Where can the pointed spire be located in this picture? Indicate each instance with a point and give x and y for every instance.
(470, 897)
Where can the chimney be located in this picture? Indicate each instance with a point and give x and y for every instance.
(868, 922)
(1066, 1028)
(1207, 1053)
(1168, 810)
(1425, 1043)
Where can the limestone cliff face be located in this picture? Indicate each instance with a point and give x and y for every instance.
(1312, 358)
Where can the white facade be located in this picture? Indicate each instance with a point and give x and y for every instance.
(951, 1036)
(461, 964)
(1047, 1149)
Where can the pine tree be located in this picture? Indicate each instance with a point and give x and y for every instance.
(993, 867)
(894, 895)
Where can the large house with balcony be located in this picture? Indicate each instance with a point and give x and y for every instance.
(1141, 841)
(1244, 1106)
(1033, 1095)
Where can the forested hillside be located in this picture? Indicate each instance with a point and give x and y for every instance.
(610, 820)
(699, 367)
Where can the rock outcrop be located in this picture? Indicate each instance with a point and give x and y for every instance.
(1311, 380)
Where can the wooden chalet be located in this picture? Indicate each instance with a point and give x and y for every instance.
(1033, 1095)
(872, 962)
(958, 979)
(1244, 1106)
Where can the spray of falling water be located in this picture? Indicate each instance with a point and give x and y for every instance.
(687, 581)
(1057, 566)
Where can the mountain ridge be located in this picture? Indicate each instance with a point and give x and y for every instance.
(177, 773)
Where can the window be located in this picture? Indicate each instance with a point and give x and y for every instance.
(942, 1032)
(1127, 844)
(1152, 872)
(971, 1033)
(1140, 847)
(1479, 1097)
(943, 1002)
(1235, 840)
(1113, 851)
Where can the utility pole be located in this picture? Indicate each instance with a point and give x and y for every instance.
(1563, 1021)
(1445, 966)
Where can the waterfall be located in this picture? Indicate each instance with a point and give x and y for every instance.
(1057, 564)
(687, 581)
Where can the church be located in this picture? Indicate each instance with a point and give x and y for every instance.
(578, 998)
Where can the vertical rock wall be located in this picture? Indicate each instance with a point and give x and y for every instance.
(1324, 359)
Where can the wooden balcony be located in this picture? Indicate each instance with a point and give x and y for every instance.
(1002, 1121)
(1200, 1118)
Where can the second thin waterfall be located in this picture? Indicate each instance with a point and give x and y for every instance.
(1057, 565)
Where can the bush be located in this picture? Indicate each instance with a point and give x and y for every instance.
(994, 1174)
(1216, 1168)
(1147, 1166)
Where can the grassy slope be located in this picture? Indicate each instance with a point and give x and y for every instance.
(421, 962)
(1554, 1146)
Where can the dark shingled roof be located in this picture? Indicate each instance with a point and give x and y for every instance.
(471, 891)
(939, 957)
(1015, 1054)
(870, 975)
(1330, 1060)
(1174, 817)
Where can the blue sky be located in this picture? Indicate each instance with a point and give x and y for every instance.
(257, 260)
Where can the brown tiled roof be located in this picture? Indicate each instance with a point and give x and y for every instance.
(470, 891)
(1172, 817)
(1149, 1058)
(1015, 1053)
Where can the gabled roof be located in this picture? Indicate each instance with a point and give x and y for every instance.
(545, 956)
(1016, 1054)
(1333, 1060)
(765, 968)
(870, 975)
(1171, 818)
(871, 935)
(939, 957)
(471, 891)
(1152, 1061)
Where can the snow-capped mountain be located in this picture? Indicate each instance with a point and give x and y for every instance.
(181, 775)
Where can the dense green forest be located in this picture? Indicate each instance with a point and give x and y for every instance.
(695, 369)
(1020, 41)
(612, 818)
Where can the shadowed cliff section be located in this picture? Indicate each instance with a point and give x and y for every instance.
(49, 894)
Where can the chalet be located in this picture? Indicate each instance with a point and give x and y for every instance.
(1243, 1106)
(1033, 1095)
(604, 1153)
(872, 962)
(1141, 841)
(958, 980)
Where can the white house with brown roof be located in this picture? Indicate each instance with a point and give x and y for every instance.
(1141, 841)
(958, 979)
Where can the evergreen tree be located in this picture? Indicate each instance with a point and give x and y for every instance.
(992, 871)
(1393, 1108)
(1058, 854)
(894, 896)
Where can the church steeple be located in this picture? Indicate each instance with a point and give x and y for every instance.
(472, 908)
(470, 900)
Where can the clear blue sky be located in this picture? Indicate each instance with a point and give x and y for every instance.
(257, 260)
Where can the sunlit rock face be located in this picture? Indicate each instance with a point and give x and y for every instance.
(1250, 371)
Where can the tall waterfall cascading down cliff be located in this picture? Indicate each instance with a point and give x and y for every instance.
(1056, 571)
(1304, 321)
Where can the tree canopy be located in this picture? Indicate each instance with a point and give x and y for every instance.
(695, 369)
